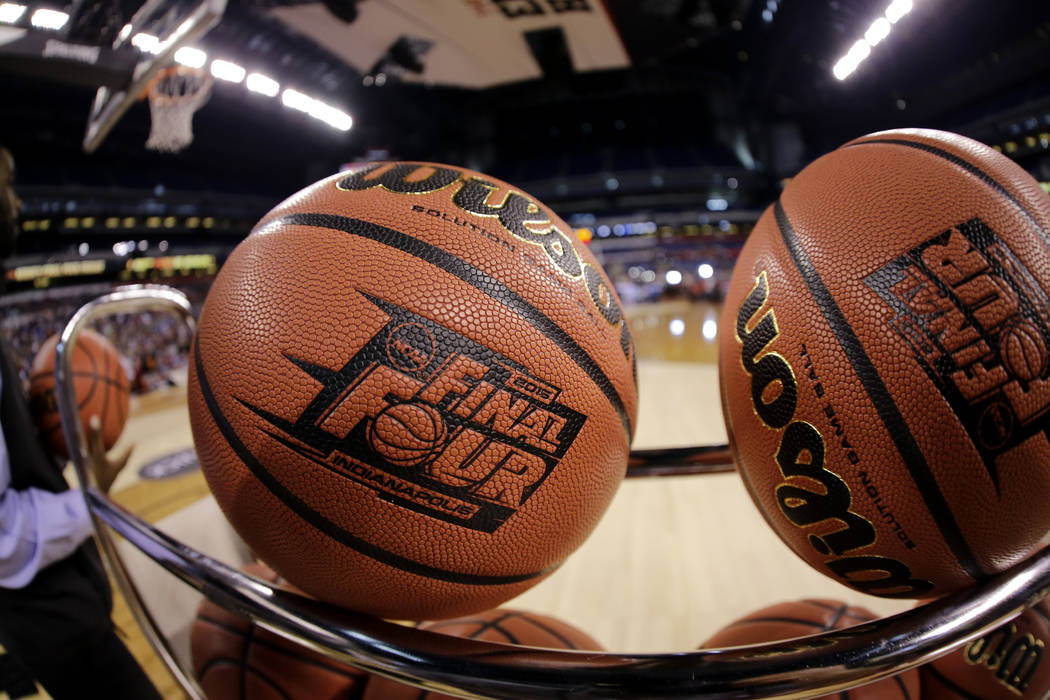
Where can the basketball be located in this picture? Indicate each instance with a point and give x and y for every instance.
(808, 617)
(883, 367)
(1005, 664)
(101, 385)
(412, 390)
(233, 659)
(504, 626)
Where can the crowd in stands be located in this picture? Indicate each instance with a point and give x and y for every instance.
(154, 345)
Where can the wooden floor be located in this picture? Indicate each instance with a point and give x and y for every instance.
(673, 560)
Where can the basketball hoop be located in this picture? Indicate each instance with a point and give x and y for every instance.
(174, 96)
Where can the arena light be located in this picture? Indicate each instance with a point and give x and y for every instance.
(191, 57)
(225, 70)
(147, 43)
(296, 100)
(336, 118)
(710, 329)
(48, 19)
(879, 30)
(705, 271)
(676, 326)
(332, 116)
(673, 277)
(897, 9)
(263, 84)
(11, 12)
(876, 34)
(849, 63)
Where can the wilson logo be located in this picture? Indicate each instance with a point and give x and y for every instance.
(434, 422)
(1011, 656)
(978, 324)
(812, 497)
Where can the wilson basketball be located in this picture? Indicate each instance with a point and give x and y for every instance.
(233, 658)
(804, 618)
(101, 385)
(1006, 664)
(883, 370)
(504, 626)
(412, 390)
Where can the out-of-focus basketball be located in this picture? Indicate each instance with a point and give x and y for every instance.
(808, 617)
(1006, 664)
(884, 363)
(502, 625)
(412, 390)
(233, 659)
(101, 385)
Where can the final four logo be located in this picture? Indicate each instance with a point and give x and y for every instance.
(978, 323)
(434, 422)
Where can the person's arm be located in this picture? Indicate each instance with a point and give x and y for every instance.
(37, 527)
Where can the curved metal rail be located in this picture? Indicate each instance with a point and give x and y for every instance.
(801, 668)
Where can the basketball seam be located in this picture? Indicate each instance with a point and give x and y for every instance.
(477, 278)
(903, 688)
(323, 524)
(551, 631)
(880, 397)
(948, 683)
(778, 620)
(292, 653)
(970, 168)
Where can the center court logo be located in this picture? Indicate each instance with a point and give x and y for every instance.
(434, 422)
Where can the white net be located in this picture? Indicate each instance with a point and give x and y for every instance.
(173, 99)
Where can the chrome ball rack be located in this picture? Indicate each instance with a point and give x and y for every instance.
(801, 668)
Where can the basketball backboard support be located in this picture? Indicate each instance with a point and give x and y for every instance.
(167, 27)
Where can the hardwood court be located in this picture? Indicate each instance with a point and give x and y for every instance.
(673, 560)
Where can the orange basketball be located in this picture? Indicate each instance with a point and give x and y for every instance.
(412, 390)
(101, 385)
(808, 617)
(883, 366)
(233, 658)
(1008, 663)
(504, 626)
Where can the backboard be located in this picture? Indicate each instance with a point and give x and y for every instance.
(157, 30)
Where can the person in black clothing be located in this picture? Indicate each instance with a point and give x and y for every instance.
(55, 598)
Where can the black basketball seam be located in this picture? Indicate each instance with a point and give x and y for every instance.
(348, 673)
(551, 631)
(244, 660)
(259, 673)
(838, 613)
(94, 373)
(947, 682)
(217, 661)
(880, 397)
(80, 373)
(903, 688)
(776, 619)
(970, 168)
(477, 278)
(105, 393)
(326, 526)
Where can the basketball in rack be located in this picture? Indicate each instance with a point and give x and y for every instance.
(174, 97)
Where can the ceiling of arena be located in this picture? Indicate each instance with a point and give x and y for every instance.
(520, 87)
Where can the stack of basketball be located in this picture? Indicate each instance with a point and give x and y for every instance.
(412, 389)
